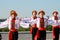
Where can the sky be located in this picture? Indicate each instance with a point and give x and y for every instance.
(24, 8)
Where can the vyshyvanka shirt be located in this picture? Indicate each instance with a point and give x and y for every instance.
(53, 22)
(18, 23)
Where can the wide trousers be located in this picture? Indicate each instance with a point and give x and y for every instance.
(13, 35)
(41, 35)
(34, 31)
(56, 33)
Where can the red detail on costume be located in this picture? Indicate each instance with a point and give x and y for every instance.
(31, 30)
(41, 24)
(12, 29)
(41, 28)
(13, 25)
(34, 17)
(55, 17)
(37, 35)
(10, 35)
(33, 26)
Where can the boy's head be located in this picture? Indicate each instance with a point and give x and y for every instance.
(55, 13)
(41, 13)
(34, 13)
(13, 13)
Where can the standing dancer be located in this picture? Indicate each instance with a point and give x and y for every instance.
(33, 28)
(41, 24)
(13, 24)
(55, 25)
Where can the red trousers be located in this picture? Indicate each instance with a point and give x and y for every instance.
(10, 35)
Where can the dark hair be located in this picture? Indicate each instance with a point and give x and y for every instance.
(13, 12)
(41, 12)
(34, 11)
(55, 12)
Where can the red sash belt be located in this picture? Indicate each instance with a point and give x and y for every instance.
(55, 26)
(13, 30)
(33, 26)
(41, 28)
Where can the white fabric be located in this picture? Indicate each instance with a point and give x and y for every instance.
(30, 21)
(53, 22)
(33, 21)
(17, 23)
(4, 24)
(24, 25)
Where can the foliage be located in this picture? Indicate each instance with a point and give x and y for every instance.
(48, 28)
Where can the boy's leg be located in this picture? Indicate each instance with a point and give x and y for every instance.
(15, 35)
(43, 35)
(34, 31)
(10, 35)
(56, 32)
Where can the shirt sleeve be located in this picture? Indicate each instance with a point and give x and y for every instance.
(24, 25)
(4, 24)
(50, 21)
(26, 19)
(25, 22)
(59, 20)
(46, 23)
(33, 22)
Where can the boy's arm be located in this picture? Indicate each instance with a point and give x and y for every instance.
(26, 23)
(50, 21)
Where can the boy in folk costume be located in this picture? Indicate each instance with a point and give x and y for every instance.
(55, 25)
(13, 24)
(13, 32)
(41, 24)
(33, 28)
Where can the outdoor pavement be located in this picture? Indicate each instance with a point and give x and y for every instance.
(24, 36)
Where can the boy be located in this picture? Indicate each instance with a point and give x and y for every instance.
(55, 25)
(13, 23)
(41, 24)
(33, 28)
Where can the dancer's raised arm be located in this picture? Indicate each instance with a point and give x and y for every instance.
(26, 22)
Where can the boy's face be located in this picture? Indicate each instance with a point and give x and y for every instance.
(41, 14)
(34, 14)
(55, 14)
(13, 16)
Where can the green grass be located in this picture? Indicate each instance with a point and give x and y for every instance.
(48, 28)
